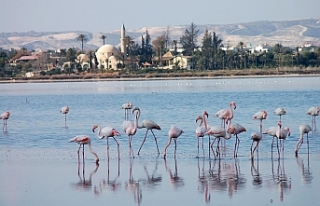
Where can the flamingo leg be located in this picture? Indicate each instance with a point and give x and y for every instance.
(117, 147)
(175, 147)
(251, 150)
(237, 145)
(308, 142)
(198, 147)
(278, 149)
(156, 141)
(145, 136)
(218, 148)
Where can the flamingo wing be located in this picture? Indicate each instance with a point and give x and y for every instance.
(149, 124)
(175, 132)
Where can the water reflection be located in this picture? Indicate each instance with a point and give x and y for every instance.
(84, 183)
(305, 170)
(175, 180)
(216, 181)
(203, 184)
(236, 181)
(133, 186)
(153, 180)
(257, 179)
(280, 179)
(112, 185)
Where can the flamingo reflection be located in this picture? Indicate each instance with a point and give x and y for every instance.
(112, 185)
(257, 180)
(280, 179)
(133, 186)
(84, 183)
(216, 181)
(175, 179)
(203, 185)
(305, 170)
(235, 179)
(152, 180)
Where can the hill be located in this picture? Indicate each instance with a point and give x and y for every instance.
(288, 33)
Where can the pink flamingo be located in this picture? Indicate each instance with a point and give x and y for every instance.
(218, 133)
(173, 133)
(149, 125)
(226, 115)
(280, 111)
(236, 129)
(107, 132)
(304, 129)
(82, 140)
(65, 110)
(130, 128)
(5, 116)
(261, 115)
(313, 111)
(256, 137)
(202, 129)
(281, 135)
(127, 107)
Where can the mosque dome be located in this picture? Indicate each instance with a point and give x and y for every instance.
(108, 50)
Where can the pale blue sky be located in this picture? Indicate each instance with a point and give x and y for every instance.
(105, 16)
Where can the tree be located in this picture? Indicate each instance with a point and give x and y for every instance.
(71, 56)
(158, 45)
(103, 37)
(82, 38)
(146, 49)
(189, 40)
(207, 50)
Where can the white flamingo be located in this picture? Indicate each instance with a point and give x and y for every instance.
(130, 128)
(149, 125)
(127, 107)
(218, 133)
(304, 129)
(107, 132)
(236, 129)
(173, 133)
(281, 135)
(261, 115)
(279, 112)
(202, 128)
(256, 137)
(226, 115)
(82, 140)
(5, 116)
(313, 112)
(64, 110)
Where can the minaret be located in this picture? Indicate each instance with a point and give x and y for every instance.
(123, 40)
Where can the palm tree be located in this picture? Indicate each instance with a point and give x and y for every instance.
(103, 37)
(82, 38)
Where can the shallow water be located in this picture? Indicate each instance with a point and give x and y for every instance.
(40, 166)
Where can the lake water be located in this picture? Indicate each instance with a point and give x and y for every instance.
(38, 165)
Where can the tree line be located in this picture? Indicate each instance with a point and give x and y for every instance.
(210, 54)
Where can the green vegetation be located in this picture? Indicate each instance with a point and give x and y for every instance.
(211, 58)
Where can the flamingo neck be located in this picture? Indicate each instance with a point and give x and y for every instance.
(92, 152)
(231, 112)
(99, 133)
(204, 121)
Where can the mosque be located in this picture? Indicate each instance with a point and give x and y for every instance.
(108, 56)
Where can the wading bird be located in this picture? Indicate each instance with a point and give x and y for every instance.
(127, 109)
(149, 125)
(82, 140)
(279, 112)
(260, 116)
(226, 115)
(304, 129)
(236, 129)
(130, 128)
(313, 111)
(65, 110)
(281, 135)
(256, 137)
(202, 128)
(5, 116)
(107, 132)
(173, 133)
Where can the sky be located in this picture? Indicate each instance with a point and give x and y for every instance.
(109, 15)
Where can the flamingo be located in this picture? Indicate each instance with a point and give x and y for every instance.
(202, 129)
(280, 111)
(261, 115)
(130, 128)
(64, 110)
(281, 134)
(217, 132)
(5, 116)
(127, 107)
(256, 137)
(149, 125)
(313, 111)
(236, 129)
(82, 140)
(304, 129)
(107, 132)
(226, 115)
(173, 133)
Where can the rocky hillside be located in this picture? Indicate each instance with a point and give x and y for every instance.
(289, 33)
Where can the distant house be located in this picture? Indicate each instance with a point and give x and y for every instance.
(27, 59)
(168, 61)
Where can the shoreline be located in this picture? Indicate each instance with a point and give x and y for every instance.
(151, 78)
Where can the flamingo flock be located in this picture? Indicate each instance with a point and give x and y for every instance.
(225, 131)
